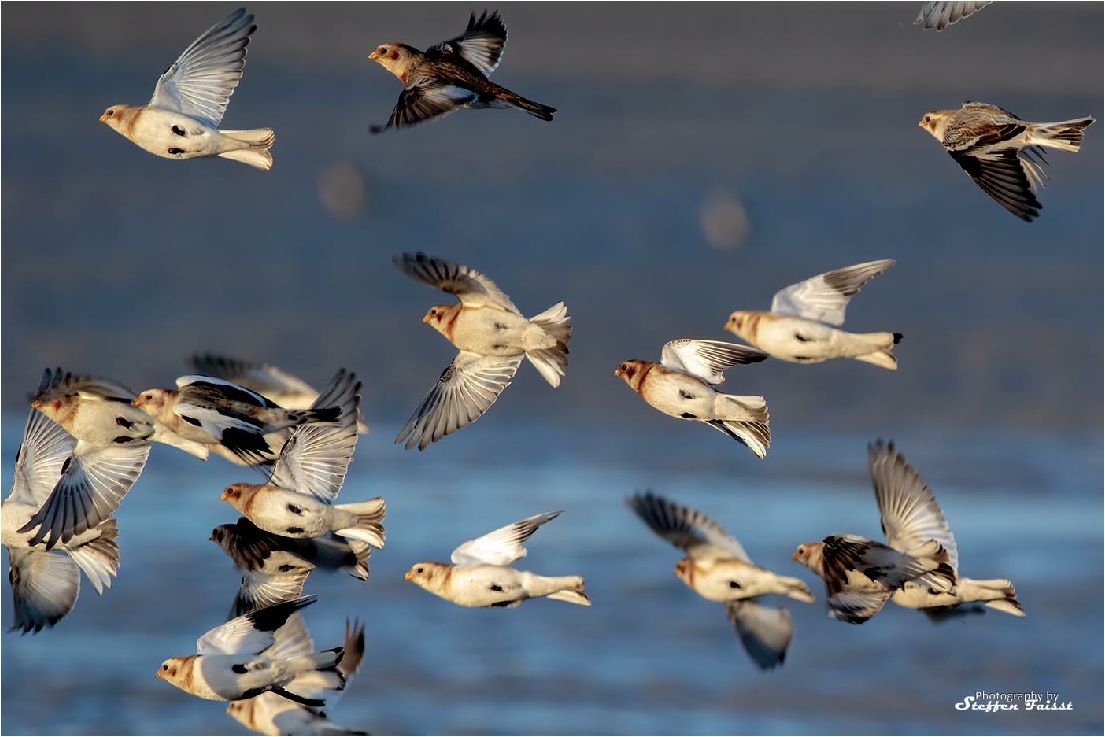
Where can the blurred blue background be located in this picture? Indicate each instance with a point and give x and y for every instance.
(703, 157)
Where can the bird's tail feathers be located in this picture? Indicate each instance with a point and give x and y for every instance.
(536, 109)
(572, 589)
(796, 588)
(555, 324)
(318, 677)
(367, 525)
(255, 152)
(1065, 135)
(997, 593)
(755, 435)
(99, 558)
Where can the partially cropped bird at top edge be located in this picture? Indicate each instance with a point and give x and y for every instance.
(451, 75)
(1003, 154)
(181, 120)
(940, 15)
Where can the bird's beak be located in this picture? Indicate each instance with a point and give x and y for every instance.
(426, 318)
(103, 117)
(212, 538)
(920, 124)
(158, 674)
(409, 576)
(37, 404)
(222, 497)
(795, 556)
(373, 55)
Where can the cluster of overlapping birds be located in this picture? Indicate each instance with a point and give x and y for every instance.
(87, 438)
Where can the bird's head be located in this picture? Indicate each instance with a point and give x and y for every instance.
(168, 670)
(631, 371)
(392, 56)
(427, 574)
(235, 496)
(684, 571)
(737, 322)
(935, 122)
(117, 116)
(805, 554)
(439, 317)
(152, 400)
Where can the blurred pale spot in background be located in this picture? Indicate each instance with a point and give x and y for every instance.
(342, 190)
(724, 220)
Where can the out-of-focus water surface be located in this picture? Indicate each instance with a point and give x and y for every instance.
(703, 157)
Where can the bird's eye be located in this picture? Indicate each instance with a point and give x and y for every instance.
(622, 367)
(925, 119)
(734, 585)
(418, 569)
(164, 666)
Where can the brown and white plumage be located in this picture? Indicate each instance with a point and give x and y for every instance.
(1003, 154)
(718, 569)
(182, 118)
(682, 385)
(271, 382)
(939, 15)
(276, 566)
(492, 337)
(45, 580)
(272, 714)
(215, 412)
(243, 658)
(105, 450)
(799, 327)
(451, 75)
(480, 574)
(860, 574)
(298, 498)
(910, 517)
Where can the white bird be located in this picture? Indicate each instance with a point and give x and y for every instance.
(272, 714)
(45, 582)
(799, 326)
(182, 118)
(211, 411)
(492, 337)
(480, 574)
(110, 442)
(236, 661)
(298, 499)
(910, 515)
(682, 386)
(290, 392)
(718, 569)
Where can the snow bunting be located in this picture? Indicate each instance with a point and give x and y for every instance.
(718, 569)
(940, 15)
(480, 574)
(798, 328)
(273, 714)
(682, 385)
(911, 515)
(276, 566)
(109, 442)
(45, 583)
(1001, 152)
(861, 574)
(297, 500)
(242, 659)
(290, 392)
(182, 118)
(451, 75)
(492, 337)
(212, 411)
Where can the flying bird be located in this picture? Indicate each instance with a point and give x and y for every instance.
(480, 574)
(910, 513)
(451, 75)
(290, 392)
(273, 714)
(211, 411)
(276, 566)
(298, 498)
(106, 452)
(682, 385)
(492, 337)
(717, 568)
(940, 15)
(799, 327)
(243, 658)
(1003, 154)
(181, 120)
(45, 579)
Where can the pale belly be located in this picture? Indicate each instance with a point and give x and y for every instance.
(490, 332)
(682, 396)
(796, 339)
(174, 136)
